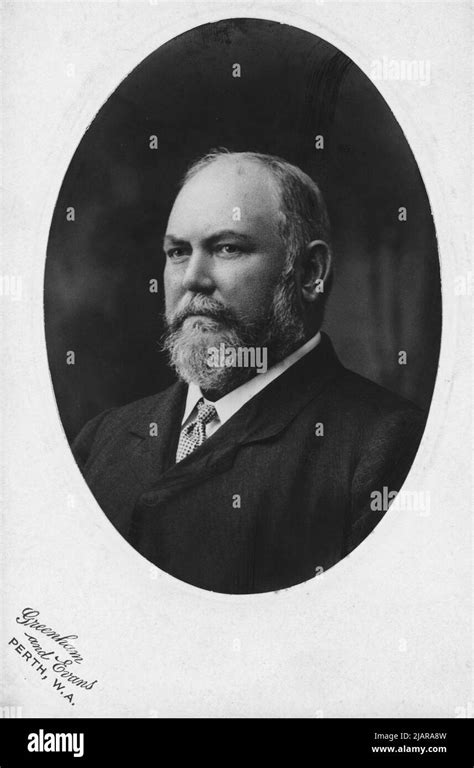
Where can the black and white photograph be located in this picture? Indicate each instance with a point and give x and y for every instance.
(231, 279)
(237, 392)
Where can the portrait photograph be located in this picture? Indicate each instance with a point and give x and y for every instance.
(242, 307)
(237, 373)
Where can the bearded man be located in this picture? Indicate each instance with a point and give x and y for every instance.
(244, 478)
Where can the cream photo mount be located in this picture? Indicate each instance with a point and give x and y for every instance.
(320, 614)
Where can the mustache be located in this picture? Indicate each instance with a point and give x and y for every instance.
(202, 305)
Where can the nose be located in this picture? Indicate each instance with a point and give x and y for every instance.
(198, 274)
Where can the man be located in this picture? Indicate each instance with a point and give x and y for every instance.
(259, 467)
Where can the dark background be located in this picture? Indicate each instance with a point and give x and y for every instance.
(386, 294)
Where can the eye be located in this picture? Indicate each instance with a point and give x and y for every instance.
(175, 253)
(229, 249)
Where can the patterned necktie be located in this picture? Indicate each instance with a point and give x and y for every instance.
(194, 434)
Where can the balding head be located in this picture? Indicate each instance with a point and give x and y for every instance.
(303, 212)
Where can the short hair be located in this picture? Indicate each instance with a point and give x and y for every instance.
(304, 213)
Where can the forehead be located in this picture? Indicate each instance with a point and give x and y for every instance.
(228, 193)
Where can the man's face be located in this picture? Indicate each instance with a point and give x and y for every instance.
(222, 241)
(224, 274)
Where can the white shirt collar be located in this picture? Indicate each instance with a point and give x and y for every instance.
(233, 401)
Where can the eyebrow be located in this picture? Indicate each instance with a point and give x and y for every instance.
(169, 238)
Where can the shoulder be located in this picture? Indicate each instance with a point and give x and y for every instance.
(370, 399)
(355, 397)
(371, 424)
(135, 417)
(380, 430)
(133, 414)
(374, 418)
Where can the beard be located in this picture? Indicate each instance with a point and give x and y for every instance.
(205, 324)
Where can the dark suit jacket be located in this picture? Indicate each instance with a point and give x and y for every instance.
(266, 501)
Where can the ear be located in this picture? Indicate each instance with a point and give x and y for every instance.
(315, 269)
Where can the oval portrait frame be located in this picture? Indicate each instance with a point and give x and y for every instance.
(385, 527)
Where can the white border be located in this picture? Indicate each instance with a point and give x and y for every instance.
(326, 611)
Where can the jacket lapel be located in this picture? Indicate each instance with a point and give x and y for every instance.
(157, 428)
